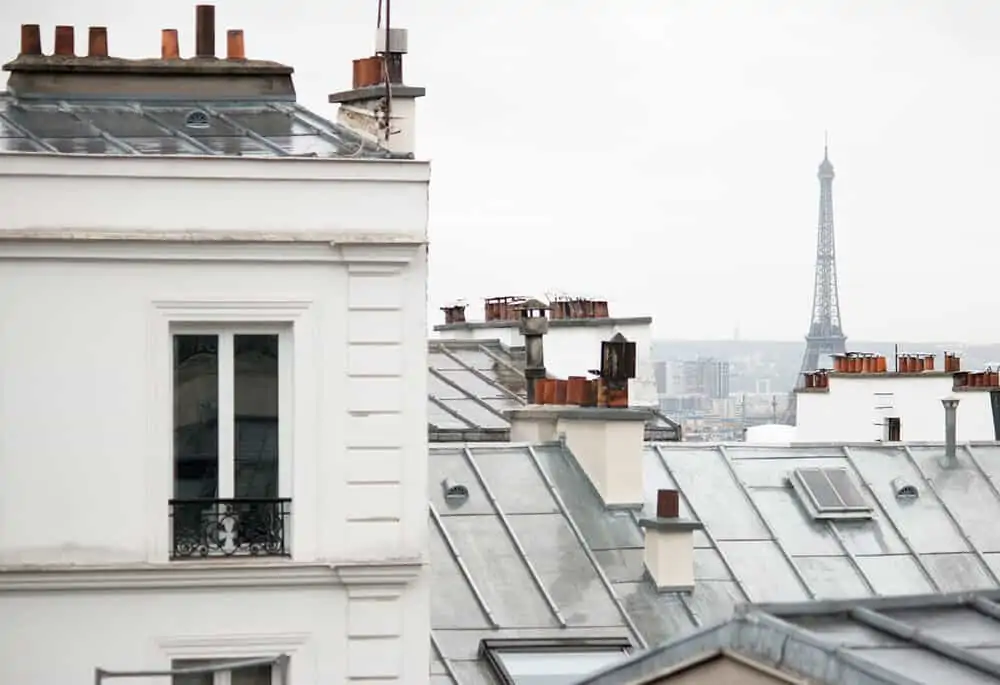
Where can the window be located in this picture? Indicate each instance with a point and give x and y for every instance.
(829, 493)
(229, 424)
(893, 430)
(206, 672)
(550, 662)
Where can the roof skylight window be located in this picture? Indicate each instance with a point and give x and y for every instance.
(551, 662)
(830, 493)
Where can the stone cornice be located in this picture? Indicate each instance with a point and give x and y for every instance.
(388, 576)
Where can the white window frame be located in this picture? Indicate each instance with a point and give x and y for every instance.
(226, 413)
(226, 677)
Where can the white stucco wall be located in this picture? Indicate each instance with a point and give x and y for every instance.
(573, 349)
(333, 250)
(848, 412)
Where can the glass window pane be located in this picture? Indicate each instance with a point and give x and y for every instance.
(255, 404)
(196, 416)
(555, 668)
(191, 678)
(252, 675)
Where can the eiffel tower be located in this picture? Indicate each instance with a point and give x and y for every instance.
(826, 335)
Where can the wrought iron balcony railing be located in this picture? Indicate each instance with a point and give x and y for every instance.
(229, 527)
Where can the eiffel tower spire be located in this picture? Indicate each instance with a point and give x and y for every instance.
(826, 335)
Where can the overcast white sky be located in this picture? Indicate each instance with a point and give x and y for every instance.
(662, 153)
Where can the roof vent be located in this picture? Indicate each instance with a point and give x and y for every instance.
(903, 490)
(829, 493)
(196, 119)
(455, 494)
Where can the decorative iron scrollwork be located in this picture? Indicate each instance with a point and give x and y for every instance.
(229, 527)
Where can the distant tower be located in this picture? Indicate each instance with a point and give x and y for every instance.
(826, 336)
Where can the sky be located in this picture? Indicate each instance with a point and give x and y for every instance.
(662, 154)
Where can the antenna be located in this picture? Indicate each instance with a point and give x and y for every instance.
(826, 138)
(385, 71)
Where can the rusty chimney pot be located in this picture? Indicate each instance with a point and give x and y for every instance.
(65, 44)
(31, 39)
(97, 41)
(234, 44)
(169, 45)
(668, 505)
(204, 45)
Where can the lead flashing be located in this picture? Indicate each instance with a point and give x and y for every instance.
(571, 413)
(665, 525)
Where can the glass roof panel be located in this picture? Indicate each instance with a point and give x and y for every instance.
(305, 145)
(83, 146)
(555, 668)
(267, 122)
(165, 145)
(8, 144)
(235, 145)
(49, 122)
(120, 122)
(176, 117)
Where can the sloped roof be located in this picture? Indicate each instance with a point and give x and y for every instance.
(508, 561)
(137, 126)
(951, 638)
(759, 544)
(472, 383)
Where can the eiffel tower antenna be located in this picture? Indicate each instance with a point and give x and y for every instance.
(826, 335)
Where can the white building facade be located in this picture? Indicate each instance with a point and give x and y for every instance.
(211, 449)
(897, 407)
(573, 346)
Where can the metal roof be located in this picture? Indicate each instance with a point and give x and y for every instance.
(174, 127)
(930, 639)
(508, 559)
(760, 542)
(472, 383)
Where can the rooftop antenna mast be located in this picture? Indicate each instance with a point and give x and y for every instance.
(386, 52)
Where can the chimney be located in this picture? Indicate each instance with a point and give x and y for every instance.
(31, 40)
(533, 325)
(64, 43)
(234, 45)
(950, 431)
(454, 313)
(669, 545)
(97, 41)
(204, 30)
(381, 109)
(169, 45)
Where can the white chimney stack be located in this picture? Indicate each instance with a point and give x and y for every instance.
(669, 546)
(379, 107)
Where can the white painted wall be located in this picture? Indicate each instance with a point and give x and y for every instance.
(332, 634)
(847, 413)
(572, 350)
(336, 251)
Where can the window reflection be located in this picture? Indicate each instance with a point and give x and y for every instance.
(196, 416)
(255, 401)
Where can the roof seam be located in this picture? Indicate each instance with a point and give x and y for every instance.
(518, 547)
(929, 483)
(892, 522)
(588, 552)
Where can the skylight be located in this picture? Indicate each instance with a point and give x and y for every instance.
(550, 662)
(830, 493)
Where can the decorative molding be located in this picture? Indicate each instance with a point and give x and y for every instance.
(369, 252)
(215, 575)
(240, 311)
(221, 169)
(228, 646)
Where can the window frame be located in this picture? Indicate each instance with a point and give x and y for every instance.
(492, 649)
(278, 666)
(226, 332)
